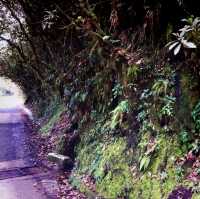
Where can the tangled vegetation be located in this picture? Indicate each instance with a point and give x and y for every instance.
(127, 74)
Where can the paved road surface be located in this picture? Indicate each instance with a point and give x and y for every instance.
(20, 177)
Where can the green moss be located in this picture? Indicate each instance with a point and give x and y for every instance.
(189, 97)
(156, 192)
(77, 183)
(160, 160)
(107, 161)
(49, 125)
(196, 196)
(90, 149)
(88, 157)
(84, 189)
(146, 187)
(152, 184)
(169, 183)
(152, 187)
(168, 153)
(108, 164)
(142, 189)
(115, 179)
(115, 183)
(189, 86)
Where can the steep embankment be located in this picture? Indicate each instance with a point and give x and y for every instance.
(130, 113)
(145, 146)
(148, 160)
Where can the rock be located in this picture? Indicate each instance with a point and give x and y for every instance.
(64, 162)
(67, 144)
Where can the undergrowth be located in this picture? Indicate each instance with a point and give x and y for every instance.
(52, 119)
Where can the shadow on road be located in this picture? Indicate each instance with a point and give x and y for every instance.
(20, 176)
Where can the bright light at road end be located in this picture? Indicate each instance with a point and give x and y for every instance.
(11, 96)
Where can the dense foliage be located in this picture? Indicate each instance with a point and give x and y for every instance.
(46, 39)
(128, 73)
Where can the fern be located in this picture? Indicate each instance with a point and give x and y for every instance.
(196, 115)
(144, 162)
(189, 32)
(133, 71)
(168, 108)
(117, 113)
(160, 87)
(117, 90)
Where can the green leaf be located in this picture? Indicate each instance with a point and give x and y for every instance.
(187, 44)
(173, 45)
(144, 163)
(177, 49)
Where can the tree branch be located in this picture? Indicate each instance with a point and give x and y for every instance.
(12, 44)
(7, 5)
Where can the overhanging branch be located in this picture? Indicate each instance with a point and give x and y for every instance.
(15, 46)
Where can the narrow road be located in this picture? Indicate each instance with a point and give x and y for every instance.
(20, 176)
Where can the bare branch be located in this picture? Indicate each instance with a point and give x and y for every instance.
(7, 5)
(13, 45)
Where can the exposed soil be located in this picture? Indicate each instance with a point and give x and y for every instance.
(47, 144)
